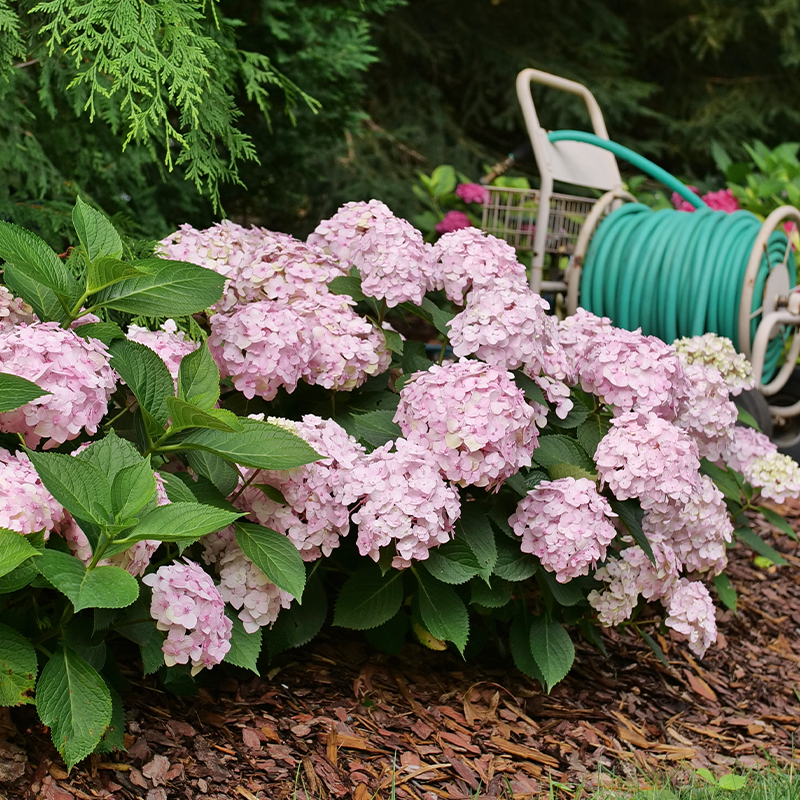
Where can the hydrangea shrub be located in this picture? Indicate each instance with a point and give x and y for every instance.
(195, 441)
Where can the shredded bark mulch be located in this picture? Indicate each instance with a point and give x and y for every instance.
(336, 719)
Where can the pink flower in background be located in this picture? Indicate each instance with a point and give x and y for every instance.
(453, 221)
(472, 193)
(681, 204)
(25, 505)
(722, 200)
(169, 344)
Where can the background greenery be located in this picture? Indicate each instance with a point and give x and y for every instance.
(279, 110)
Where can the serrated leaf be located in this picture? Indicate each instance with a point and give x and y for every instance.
(19, 577)
(394, 341)
(24, 250)
(565, 594)
(368, 599)
(575, 417)
(147, 377)
(442, 611)
(533, 394)
(75, 703)
(519, 640)
(172, 288)
(723, 479)
(44, 301)
(726, 591)
(177, 522)
(495, 596)
(198, 379)
(274, 555)
(415, 358)
(299, 624)
(558, 471)
(558, 449)
(631, 514)
(438, 316)
(348, 285)
(18, 668)
(534, 478)
(754, 541)
(271, 492)
(552, 650)
(453, 562)
(778, 521)
(79, 486)
(377, 427)
(101, 587)
(746, 418)
(177, 491)
(97, 235)
(476, 530)
(132, 489)
(14, 550)
(245, 647)
(106, 272)
(590, 434)
(106, 332)
(16, 392)
(185, 415)
(262, 445)
(221, 473)
(512, 564)
(110, 454)
(114, 735)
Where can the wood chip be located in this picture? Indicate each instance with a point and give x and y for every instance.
(523, 752)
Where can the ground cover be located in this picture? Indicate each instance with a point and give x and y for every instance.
(339, 719)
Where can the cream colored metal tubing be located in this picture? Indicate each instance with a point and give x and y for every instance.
(760, 342)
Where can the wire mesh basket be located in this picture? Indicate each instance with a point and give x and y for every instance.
(510, 214)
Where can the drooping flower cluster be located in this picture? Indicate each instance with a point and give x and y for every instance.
(395, 263)
(470, 258)
(187, 604)
(453, 220)
(169, 344)
(25, 505)
(242, 584)
(718, 352)
(405, 502)
(566, 524)
(76, 373)
(691, 612)
(472, 192)
(472, 418)
(339, 235)
(315, 515)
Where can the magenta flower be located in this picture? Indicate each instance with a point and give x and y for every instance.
(723, 200)
(472, 193)
(453, 221)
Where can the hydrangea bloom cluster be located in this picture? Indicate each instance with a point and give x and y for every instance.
(691, 611)
(242, 584)
(472, 418)
(169, 344)
(776, 475)
(576, 333)
(395, 263)
(339, 235)
(706, 411)
(405, 502)
(471, 258)
(745, 446)
(187, 604)
(472, 193)
(453, 221)
(315, 515)
(74, 370)
(718, 352)
(646, 457)
(566, 524)
(721, 200)
(14, 311)
(631, 371)
(502, 326)
(25, 505)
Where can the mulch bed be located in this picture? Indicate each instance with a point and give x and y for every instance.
(338, 720)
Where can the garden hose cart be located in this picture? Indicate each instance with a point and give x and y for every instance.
(669, 272)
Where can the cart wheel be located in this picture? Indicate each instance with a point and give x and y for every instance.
(755, 404)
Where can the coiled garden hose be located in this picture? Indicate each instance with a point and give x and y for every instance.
(676, 274)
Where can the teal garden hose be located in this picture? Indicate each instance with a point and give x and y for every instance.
(674, 273)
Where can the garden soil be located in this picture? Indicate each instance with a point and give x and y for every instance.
(337, 719)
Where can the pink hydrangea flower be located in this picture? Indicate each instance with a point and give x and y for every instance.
(566, 524)
(691, 612)
(25, 505)
(242, 584)
(316, 513)
(745, 446)
(706, 411)
(395, 263)
(629, 371)
(717, 352)
(503, 326)
(188, 605)
(722, 200)
(776, 476)
(405, 502)
(472, 418)
(339, 235)
(647, 457)
(169, 344)
(557, 392)
(453, 221)
(14, 311)
(576, 333)
(469, 258)
(472, 193)
(683, 205)
(74, 370)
